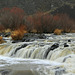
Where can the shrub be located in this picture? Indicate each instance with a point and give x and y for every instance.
(1, 40)
(63, 21)
(17, 16)
(2, 28)
(34, 31)
(29, 23)
(23, 28)
(19, 33)
(11, 17)
(7, 30)
(58, 31)
(42, 22)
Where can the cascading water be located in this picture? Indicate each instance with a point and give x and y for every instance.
(49, 56)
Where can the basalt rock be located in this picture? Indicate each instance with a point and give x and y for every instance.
(24, 45)
(7, 34)
(66, 45)
(31, 37)
(54, 46)
(16, 41)
(69, 40)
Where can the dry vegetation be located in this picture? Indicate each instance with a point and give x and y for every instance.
(58, 31)
(19, 33)
(1, 40)
(17, 21)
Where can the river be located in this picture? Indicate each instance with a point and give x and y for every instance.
(54, 55)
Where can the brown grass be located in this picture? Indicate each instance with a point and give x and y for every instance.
(7, 30)
(58, 31)
(18, 34)
(1, 40)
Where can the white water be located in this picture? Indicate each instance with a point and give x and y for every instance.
(34, 60)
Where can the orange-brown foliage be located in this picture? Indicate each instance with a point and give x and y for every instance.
(1, 40)
(23, 29)
(7, 30)
(57, 31)
(19, 33)
(15, 19)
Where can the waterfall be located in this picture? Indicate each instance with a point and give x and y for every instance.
(19, 66)
(35, 51)
(40, 57)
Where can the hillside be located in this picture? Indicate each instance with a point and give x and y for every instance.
(32, 6)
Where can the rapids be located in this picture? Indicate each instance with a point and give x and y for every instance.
(54, 55)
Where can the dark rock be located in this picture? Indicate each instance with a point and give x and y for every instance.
(16, 41)
(60, 71)
(24, 45)
(5, 72)
(65, 45)
(66, 58)
(7, 34)
(13, 41)
(31, 37)
(69, 40)
(25, 40)
(41, 36)
(2, 34)
(54, 46)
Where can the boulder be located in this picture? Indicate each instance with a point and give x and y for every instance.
(66, 45)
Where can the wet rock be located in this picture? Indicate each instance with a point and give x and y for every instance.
(2, 34)
(28, 37)
(16, 41)
(54, 46)
(32, 37)
(5, 72)
(24, 45)
(69, 40)
(66, 45)
(25, 40)
(66, 58)
(42, 36)
(7, 34)
(60, 71)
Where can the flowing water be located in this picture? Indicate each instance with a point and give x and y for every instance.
(48, 56)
